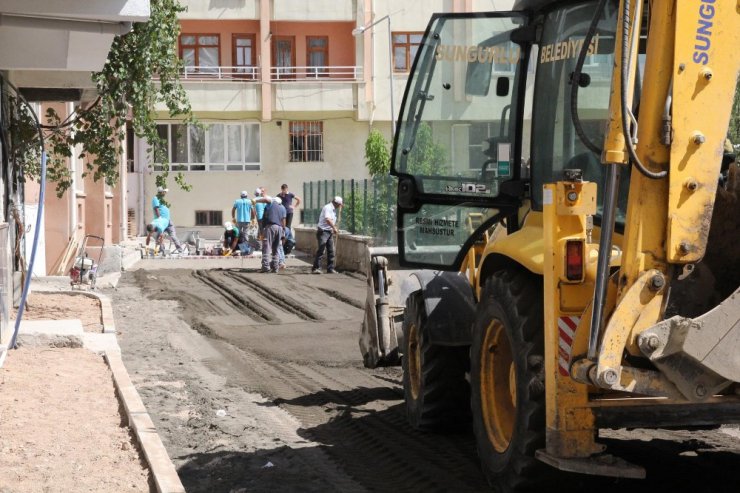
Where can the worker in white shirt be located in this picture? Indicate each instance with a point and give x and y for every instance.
(325, 231)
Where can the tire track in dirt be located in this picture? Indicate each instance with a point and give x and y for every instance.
(239, 301)
(286, 303)
(454, 452)
(341, 413)
(342, 297)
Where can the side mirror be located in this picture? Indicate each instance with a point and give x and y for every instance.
(502, 86)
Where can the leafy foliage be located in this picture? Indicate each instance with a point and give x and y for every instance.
(376, 152)
(426, 157)
(734, 132)
(142, 70)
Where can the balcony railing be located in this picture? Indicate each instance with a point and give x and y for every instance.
(247, 74)
(333, 73)
(221, 73)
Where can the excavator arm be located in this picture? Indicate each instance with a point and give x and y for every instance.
(690, 73)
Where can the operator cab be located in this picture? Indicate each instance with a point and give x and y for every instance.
(486, 120)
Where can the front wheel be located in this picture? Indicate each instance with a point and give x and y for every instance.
(436, 392)
(507, 380)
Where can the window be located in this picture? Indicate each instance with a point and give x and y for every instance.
(306, 141)
(405, 46)
(283, 56)
(211, 147)
(317, 55)
(200, 52)
(208, 218)
(243, 55)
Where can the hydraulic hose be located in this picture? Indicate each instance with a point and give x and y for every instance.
(574, 83)
(624, 75)
(29, 271)
(39, 217)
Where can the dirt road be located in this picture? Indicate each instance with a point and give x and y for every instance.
(255, 383)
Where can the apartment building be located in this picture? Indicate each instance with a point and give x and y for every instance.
(287, 92)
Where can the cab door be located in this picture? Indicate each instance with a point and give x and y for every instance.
(458, 146)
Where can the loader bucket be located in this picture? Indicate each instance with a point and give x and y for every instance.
(701, 356)
(381, 334)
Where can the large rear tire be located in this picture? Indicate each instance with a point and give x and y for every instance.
(436, 391)
(507, 380)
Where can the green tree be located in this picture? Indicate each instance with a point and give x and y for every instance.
(381, 208)
(377, 155)
(142, 70)
(426, 157)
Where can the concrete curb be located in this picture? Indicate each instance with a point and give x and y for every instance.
(109, 325)
(163, 470)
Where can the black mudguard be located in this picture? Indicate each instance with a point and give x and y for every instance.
(450, 307)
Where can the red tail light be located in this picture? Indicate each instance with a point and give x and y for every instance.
(574, 260)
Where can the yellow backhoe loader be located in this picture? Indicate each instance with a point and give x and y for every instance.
(578, 255)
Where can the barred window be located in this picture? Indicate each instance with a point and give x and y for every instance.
(208, 218)
(306, 141)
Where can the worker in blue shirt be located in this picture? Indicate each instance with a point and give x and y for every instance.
(161, 210)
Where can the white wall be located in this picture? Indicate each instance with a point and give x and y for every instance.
(344, 149)
(313, 10)
(220, 9)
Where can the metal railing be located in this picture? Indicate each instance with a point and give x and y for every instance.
(369, 206)
(332, 73)
(246, 74)
(252, 74)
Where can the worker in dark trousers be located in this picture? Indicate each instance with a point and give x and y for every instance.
(273, 221)
(325, 231)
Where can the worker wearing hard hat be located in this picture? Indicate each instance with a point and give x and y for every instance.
(326, 229)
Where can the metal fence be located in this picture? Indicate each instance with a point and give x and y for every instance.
(369, 205)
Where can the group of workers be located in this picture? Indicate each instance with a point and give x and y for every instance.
(262, 221)
(268, 220)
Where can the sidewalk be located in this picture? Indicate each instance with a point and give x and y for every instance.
(38, 337)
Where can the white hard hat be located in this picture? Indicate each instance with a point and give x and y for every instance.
(338, 200)
(228, 225)
(244, 193)
(162, 189)
(276, 200)
(257, 192)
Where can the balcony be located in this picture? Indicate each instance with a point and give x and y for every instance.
(330, 88)
(242, 74)
(314, 74)
(277, 74)
(314, 88)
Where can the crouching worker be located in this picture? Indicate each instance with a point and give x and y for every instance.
(231, 238)
(156, 229)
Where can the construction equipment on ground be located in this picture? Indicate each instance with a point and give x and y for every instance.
(84, 271)
(579, 257)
